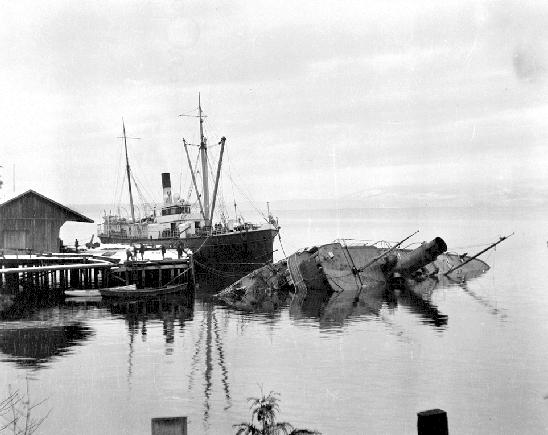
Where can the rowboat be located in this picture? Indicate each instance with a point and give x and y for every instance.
(82, 293)
(132, 292)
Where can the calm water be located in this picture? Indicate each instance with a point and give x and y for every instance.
(108, 369)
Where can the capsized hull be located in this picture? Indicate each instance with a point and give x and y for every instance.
(319, 272)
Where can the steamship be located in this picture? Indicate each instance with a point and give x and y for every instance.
(230, 245)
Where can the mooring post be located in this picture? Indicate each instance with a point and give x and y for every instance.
(73, 280)
(192, 271)
(169, 426)
(432, 422)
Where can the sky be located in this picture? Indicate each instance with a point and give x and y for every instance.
(399, 101)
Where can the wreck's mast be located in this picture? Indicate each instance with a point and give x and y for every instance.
(128, 174)
(203, 156)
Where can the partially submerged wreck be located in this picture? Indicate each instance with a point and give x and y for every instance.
(264, 289)
(334, 280)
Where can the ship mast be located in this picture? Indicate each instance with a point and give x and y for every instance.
(128, 174)
(203, 156)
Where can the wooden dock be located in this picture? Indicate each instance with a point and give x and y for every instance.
(52, 274)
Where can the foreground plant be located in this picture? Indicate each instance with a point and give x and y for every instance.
(264, 409)
(16, 413)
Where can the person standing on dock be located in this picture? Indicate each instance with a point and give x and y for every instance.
(76, 245)
(128, 254)
(142, 251)
(163, 251)
(135, 252)
(179, 250)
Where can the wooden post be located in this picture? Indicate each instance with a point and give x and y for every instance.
(432, 422)
(46, 280)
(192, 272)
(169, 426)
(73, 282)
(12, 283)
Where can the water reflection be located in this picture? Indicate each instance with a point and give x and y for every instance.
(34, 331)
(138, 313)
(482, 300)
(33, 346)
(334, 309)
(209, 341)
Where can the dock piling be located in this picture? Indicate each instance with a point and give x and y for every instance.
(169, 426)
(432, 422)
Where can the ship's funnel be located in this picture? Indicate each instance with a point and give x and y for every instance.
(420, 257)
(166, 186)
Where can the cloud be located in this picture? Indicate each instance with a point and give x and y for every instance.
(529, 62)
(368, 93)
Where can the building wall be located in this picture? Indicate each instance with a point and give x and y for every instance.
(30, 222)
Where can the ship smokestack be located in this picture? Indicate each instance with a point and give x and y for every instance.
(420, 257)
(166, 186)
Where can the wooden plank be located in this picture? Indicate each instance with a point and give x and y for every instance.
(57, 267)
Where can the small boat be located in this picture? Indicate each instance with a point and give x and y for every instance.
(82, 293)
(127, 292)
(84, 300)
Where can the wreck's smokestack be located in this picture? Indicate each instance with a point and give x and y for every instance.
(166, 186)
(420, 257)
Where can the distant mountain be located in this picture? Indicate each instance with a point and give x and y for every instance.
(448, 195)
(486, 195)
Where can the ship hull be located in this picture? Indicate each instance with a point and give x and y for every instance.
(237, 252)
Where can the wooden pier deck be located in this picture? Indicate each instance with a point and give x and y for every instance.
(52, 274)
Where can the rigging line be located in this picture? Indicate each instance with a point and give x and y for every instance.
(117, 174)
(335, 283)
(216, 271)
(119, 199)
(250, 201)
(355, 270)
(140, 188)
(203, 243)
(143, 200)
(190, 112)
(140, 171)
(281, 244)
(119, 193)
(231, 184)
(191, 188)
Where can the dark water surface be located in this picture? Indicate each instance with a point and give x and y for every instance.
(479, 350)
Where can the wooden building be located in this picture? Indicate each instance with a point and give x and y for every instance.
(31, 221)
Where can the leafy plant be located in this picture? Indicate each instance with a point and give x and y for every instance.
(264, 410)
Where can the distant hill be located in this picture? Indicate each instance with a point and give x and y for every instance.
(486, 195)
(448, 195)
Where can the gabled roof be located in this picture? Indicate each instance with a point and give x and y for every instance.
(71, 214)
